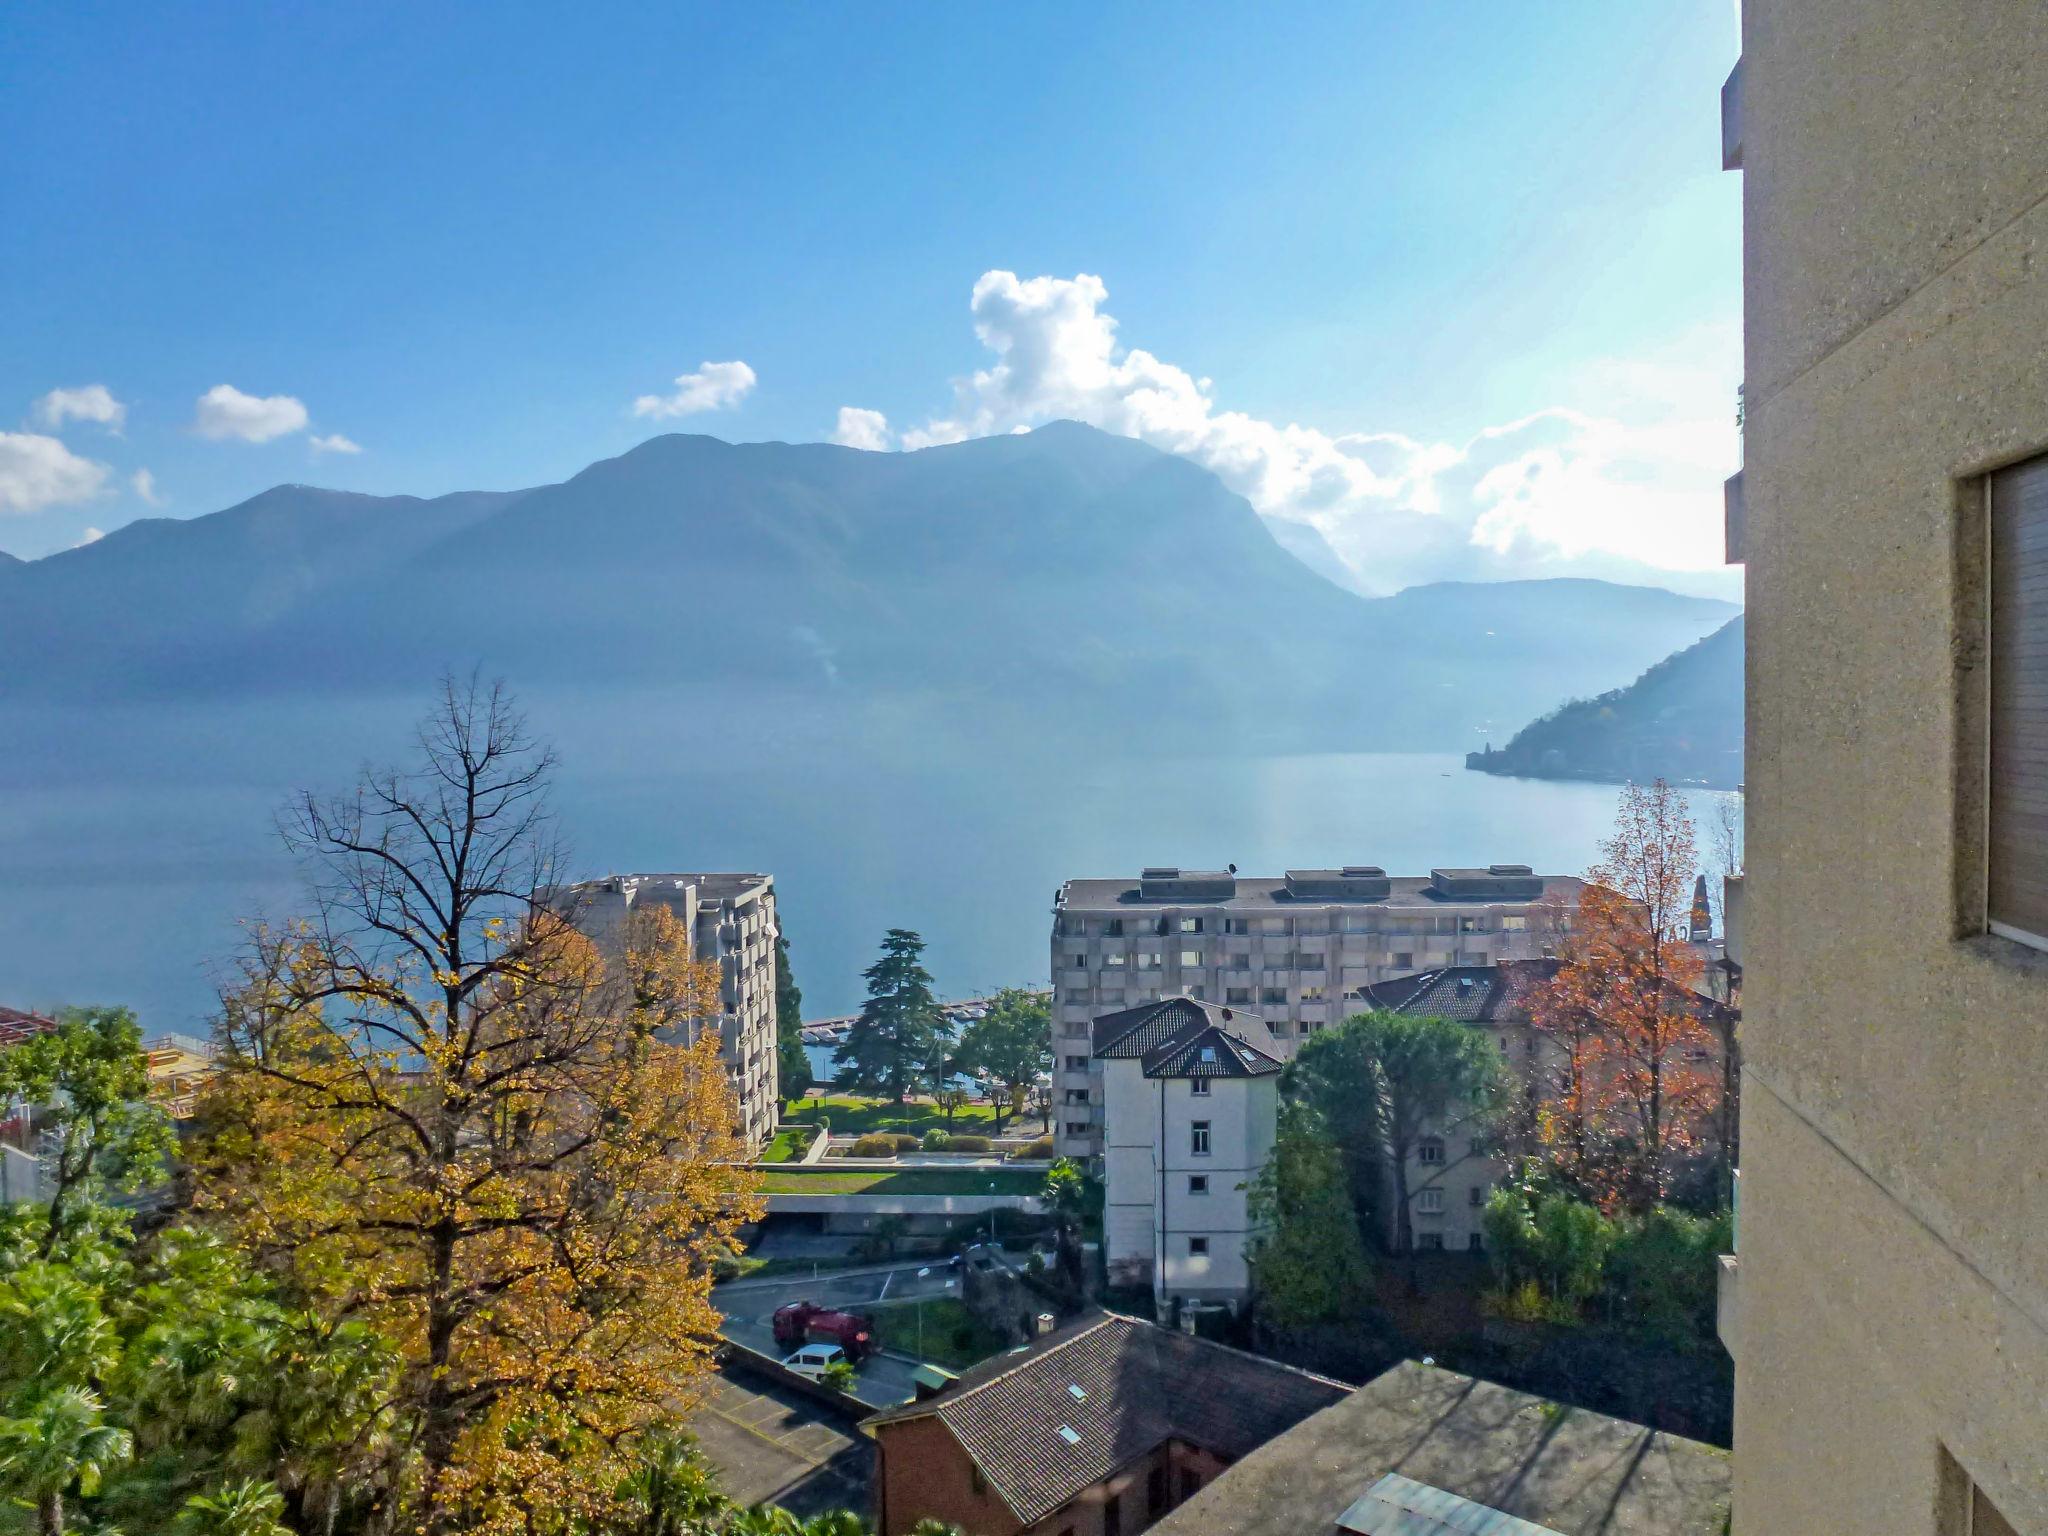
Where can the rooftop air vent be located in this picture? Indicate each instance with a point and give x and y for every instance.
(1162, 884)
(1354, 882)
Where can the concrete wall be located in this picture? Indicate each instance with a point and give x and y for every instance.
(1148, 1159)
(1894, 1232)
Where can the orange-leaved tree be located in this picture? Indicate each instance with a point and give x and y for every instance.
(1630, 1092)
(444, 1112)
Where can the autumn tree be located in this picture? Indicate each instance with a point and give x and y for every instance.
(1633, 1092)
(891, 1046)
(1011, 1045)
(443, 1112)
(1389, 1079)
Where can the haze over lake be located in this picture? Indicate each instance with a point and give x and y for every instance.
(122, 882)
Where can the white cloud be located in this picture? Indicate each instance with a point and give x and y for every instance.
(860, 428)
(143, 483)
(88, 402)
(334, 442)
(224, 411)
(1560, 490)
(90, 536)
(713, 387)
(38, 472)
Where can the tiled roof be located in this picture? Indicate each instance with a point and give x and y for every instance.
(1474, 994)
(1059, 1415)
(1210, 1051)
(1500, 993)
(16, 1026)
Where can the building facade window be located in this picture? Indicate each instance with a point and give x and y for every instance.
(1274, 996)
(1077, 1063)
(1198, 1247)
(1077, 1095)
(1429, 1242)
(1077, 1128)
(1238, 995)
(1191, 957)
(1198, 1183)
(1430, 1202)
(1430, 1150)
(1191, 925)
(1199, 1087)
(1198, 1138)
(1404, 959)
(2017, 862)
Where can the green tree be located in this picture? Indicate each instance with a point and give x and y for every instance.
(900, 1027)
(1551, 1241)
(58, 1441)
(1386, 1080)
(792, 1066)
(1307, 1257)
(1066, 1201)
(90, 1083)
(247, 1507)
(1012, 1045)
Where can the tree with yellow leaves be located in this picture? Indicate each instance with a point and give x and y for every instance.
(444, 1112)
(1631, 1094)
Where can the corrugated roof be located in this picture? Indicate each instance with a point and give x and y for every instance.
(1400, 1506)
(1039, 1442)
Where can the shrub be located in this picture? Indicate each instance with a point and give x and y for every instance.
(839, 1376)
(905, 1143)
(875, 1146)
(1041, 1148)
(937, 1141)
(969, 1143)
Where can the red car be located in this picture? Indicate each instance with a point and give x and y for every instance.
(801, 1322)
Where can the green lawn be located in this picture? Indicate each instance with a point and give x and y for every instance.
(951, 1335)
(905, 1181)
(785, 1148)
(856, 1117)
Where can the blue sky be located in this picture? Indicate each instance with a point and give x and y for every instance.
(1482, 256)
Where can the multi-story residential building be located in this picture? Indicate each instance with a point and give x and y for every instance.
(1287, 949)
(1191, 1098)
(731, 920)
(1888, 1312)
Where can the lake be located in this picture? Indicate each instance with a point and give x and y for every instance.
(133, 839)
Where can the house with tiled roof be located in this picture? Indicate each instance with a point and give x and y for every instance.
(1190, 1108)
(1098, 1429)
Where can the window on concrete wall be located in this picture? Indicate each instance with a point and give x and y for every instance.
(2017, 782)
(1198, 1247)
(1198, 1138)
(1199, 1087)
(1429, 1150)
(1430, 1202)
(1198, 1183)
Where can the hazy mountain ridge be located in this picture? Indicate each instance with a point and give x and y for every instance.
(1078, 579)
(1681, 721)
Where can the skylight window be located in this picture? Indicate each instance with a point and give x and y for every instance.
(1075, 1392)
(1067, 1434)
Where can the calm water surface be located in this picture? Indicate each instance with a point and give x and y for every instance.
(131, 841)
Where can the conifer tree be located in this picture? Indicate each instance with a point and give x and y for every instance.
(900, 1027)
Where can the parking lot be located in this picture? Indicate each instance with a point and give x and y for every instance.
(773, 1445)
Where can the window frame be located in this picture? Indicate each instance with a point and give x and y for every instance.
(1201, 1137)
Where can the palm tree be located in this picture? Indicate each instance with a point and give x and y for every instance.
(60, 1441)
(672, 1488)
(252, 1507)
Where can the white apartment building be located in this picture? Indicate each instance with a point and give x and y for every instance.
(1287, 950)
(731, 920)
(1192, 1097)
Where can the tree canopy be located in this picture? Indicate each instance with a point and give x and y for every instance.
(792, 1066)
(1308, 1260)
(1012, 1044)
(890, 1047)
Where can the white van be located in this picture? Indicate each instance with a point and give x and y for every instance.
(812, 1359)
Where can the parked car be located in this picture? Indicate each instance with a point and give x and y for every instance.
(813, 1359)
(803, 1322)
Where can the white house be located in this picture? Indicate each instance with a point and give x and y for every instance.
(1190, 1110)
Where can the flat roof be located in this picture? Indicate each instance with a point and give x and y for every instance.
(1255, 894)
(1565, 1469)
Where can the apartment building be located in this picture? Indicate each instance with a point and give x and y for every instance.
(1191, 1094)
(731, 920)
(1287, 949)
(1888, 1307)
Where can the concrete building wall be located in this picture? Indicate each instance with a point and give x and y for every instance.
(732, 923)
(1162, 1198)
(1891, 1319)
(1292, 968)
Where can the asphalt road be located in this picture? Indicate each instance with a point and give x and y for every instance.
(749, 1305)
(771, 1445)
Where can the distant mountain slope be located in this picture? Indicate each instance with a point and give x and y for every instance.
(1681, 720)
(1068, 584)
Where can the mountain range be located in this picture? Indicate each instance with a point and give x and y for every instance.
(1065, 582)
(1681, 721)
